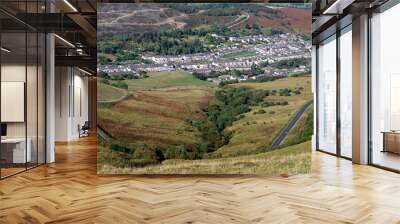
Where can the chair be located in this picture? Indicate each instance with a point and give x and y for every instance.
(84, 130)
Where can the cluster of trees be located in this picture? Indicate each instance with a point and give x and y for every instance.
(140, 155)
(288, 92)
(203, 76)
(122, 76)
(136, 155)
(274, 103)
(227, 82)
(269, 78)
(128, 47)
(253, 26)
(273, 31)
(173, 42)
(256, 70)
(108, 46)
(123, 55)
(188, 152)
(101, 59)
(285, 92)
(291, 63)
(233, 103)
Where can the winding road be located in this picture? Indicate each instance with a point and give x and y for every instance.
(241, 19)
(282, 135)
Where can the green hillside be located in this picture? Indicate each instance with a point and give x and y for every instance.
(108, 93)
(256, 131)
(166, 79)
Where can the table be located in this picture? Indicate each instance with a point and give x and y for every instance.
(15, 148)
(391, 141)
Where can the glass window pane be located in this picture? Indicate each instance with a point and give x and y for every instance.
(41, 98)
(346, 93)
(31, 97)
(385, 84)
(13, 86)
(327, 96)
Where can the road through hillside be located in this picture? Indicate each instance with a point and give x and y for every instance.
(282, 135)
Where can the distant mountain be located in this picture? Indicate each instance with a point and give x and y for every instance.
(120, 18)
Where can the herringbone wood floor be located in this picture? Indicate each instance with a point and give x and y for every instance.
(69, 191)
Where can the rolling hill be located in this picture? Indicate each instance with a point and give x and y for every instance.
(122, 18)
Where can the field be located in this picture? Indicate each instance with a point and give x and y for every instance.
(239, 54)
(287, 161)
(107, 93)
(162, 80)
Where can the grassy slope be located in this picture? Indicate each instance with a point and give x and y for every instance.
(107, 93)
(166, 79)
(291, 160)
(157, 115)
(239, 54)
(255, 133)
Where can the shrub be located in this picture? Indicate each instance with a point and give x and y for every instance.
(105, 81)
(177, 152)
(118, 148)
(260, 112)
(120, 84)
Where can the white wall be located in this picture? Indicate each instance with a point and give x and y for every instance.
(71, 94)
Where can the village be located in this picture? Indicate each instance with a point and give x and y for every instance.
(234, 54)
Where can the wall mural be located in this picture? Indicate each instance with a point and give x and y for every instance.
(205, 88)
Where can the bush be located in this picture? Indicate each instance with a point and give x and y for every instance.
(120, 84)
(118, 148)
(285, 92)
(277, 103)
(105, 81)
(260, 112)
(177, 152)
(103, 75)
